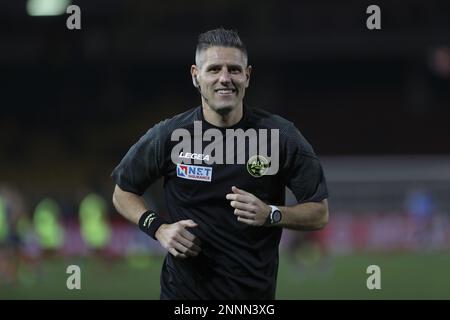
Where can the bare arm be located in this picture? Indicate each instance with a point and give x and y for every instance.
(252, 211)
(129, 205)
(305, 216)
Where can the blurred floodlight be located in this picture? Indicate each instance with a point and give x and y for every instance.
(47, 7)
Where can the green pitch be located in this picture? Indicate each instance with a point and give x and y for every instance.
(403, 276)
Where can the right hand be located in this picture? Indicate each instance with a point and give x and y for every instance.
(178, 240)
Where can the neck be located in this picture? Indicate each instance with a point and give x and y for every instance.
(222, 120)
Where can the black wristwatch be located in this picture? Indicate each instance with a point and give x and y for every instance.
(274, 216)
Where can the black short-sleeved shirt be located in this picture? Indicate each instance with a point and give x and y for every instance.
(237, 261)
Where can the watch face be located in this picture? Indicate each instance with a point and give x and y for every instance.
(276, 216)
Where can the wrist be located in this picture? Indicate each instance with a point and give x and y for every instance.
(160, 230)
(150, 222)
(274, 216)
(269, 211)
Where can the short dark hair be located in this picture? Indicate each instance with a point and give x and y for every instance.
(220, 38)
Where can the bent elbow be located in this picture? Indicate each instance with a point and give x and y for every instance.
(115, 197)
(323, 220)
(114, 201)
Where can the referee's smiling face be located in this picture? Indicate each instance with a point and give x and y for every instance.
(222, 75)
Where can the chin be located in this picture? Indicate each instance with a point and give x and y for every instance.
(224, 109)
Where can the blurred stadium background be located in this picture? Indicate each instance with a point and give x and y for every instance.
(374, 104)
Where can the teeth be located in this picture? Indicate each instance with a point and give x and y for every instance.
(225, 91)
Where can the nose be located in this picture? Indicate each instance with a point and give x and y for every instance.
(225, 77)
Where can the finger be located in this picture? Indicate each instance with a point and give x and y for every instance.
(186, 251)
(186, 234)
(177, 254)
(188, 223)
(241, 206)
(240, 191)
(247, 221)
(189, 244)
(231, 196)
(244, 214)
(238, 197)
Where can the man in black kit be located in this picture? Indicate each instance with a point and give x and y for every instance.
(225, 167)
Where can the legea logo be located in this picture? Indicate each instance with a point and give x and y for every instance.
(237, 141)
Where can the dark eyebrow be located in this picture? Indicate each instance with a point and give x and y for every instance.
(235, 66)
(229, 66)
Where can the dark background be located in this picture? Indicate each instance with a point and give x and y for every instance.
(375, 105)
(73, 101)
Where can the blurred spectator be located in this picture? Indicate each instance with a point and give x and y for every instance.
(16, 238)
(94, 226)
(420, 206)
(48, 227)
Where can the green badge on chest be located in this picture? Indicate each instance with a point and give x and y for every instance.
(257, 166)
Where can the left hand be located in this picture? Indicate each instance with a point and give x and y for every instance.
(248, 208)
